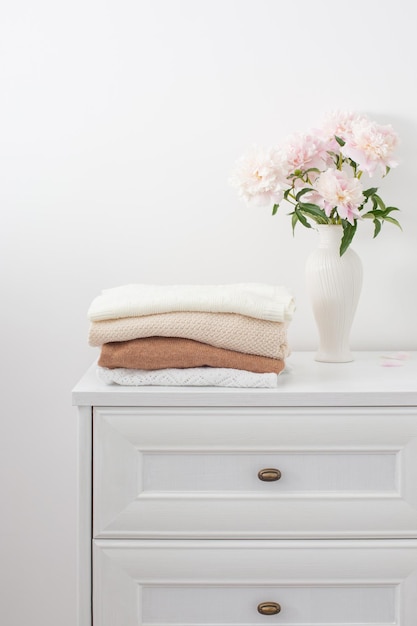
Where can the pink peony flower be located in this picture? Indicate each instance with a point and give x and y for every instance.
(303, 151)
(338, 190)
(323, 167)
(260, 177)
(371, 146)
(339, 123)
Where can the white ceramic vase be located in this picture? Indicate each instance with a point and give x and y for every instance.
(334, 284)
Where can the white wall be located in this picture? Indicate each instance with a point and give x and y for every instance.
(121, 122)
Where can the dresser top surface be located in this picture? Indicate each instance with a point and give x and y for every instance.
(366, 381)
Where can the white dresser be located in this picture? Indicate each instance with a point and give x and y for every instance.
(213, 507)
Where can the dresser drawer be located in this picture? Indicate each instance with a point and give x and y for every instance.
(204, 472)
(178, 583)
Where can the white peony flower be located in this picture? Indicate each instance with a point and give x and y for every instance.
(371, 146)
(260, 177)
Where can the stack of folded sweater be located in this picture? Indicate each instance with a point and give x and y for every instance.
(191, 335)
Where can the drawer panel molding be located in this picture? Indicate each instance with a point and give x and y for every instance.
(320, 583)
(169, 472)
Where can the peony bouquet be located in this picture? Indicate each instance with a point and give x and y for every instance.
(321, 174)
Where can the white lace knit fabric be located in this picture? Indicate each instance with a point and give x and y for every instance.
(188, 377)
(257, 300)
(223, 330)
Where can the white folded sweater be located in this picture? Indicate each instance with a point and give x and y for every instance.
(268, 302)
(188, 377)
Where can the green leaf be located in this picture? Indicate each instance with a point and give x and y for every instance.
(315, 211)
(339, 140)
(348, 232)
(377, 225)
(378, 213)
(294, 221)
(379, 201)
(286, 193)
(391, 208)
(382, 214)
(302, 218)
(393, 221)
(370, 192)
(275, 209)
(310, 205)
(312, 169)
(353, 164)
(302, 192)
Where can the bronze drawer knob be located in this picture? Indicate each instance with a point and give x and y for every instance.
(269, 474)
(269, 608)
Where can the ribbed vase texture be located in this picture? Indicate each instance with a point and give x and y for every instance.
(334, 284)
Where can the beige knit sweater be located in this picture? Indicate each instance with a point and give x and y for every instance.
(155, 353)
(223, 330)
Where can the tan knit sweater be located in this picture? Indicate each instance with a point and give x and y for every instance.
(223, 330)
(154, 353)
